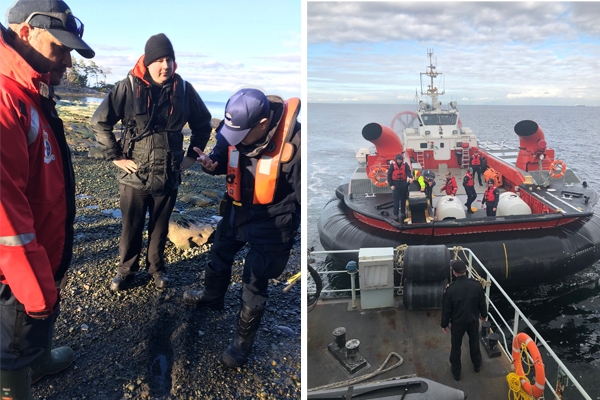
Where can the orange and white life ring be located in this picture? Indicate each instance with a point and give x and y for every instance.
(557, 169)
(377, 173)
(536, 390)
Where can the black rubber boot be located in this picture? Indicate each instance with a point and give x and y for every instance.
(52, 362)
(213, 296)
(16, 385)
(238, 351)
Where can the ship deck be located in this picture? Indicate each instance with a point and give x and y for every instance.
(414, 335)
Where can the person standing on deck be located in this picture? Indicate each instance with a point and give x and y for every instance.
(476, 165)
(37, 205)
(153, 103)
(399, 176)
(469, 186)
(491, 198)
(463, 301)
(450, 187)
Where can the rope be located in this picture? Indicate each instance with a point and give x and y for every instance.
(456, 250)
(400, 264)
(359, 379)
(514, 385)
(514, 380)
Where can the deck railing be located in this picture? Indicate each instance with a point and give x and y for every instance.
(502, 326)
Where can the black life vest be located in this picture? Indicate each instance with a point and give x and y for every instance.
(399, 173)
(489, 194)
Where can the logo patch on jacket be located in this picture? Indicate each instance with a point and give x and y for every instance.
(48, 156)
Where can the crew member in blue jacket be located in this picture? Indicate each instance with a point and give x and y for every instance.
(258, 147)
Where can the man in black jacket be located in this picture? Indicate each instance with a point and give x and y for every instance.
(154, 104)
(258, 147)
(399, 177)
(463, 302)
(491, 198)
(469, 185)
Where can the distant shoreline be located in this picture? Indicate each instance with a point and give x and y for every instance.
(66, 92)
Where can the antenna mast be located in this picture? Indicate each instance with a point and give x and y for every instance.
(432, 91)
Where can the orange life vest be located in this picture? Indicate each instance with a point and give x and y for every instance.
(269, 163)
(399, 173)
(489, 194)
(476, 160)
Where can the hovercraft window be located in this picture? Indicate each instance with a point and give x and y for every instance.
(441, 145)
(439, 119)
(423, 145)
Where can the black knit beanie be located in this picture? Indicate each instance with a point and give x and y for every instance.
(158, 46)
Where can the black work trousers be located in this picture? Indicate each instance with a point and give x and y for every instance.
(134, 205)
(458, 331)
(490, 211)
(263, 262)
(477, 171)
(23, 339)
(400, 194)
(471, 196)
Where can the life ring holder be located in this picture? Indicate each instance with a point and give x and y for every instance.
(522, 340)
(557, 169)
(377, 173)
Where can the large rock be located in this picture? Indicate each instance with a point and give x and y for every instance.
(199, 201)
(213, 194)
(95, 152)
(186, 232)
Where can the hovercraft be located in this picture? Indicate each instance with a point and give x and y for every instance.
(545, 227)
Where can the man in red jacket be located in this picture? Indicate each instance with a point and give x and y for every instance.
(37, 206)
(450, 186)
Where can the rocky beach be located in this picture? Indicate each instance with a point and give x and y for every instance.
(144, 343)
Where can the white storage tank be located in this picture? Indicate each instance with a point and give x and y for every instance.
(449, 207)
(511, 204)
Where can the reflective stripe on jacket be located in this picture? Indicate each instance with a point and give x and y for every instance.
(37, 206)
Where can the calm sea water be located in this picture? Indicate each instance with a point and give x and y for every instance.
(567, 313)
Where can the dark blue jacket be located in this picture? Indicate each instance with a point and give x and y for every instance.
(258, 223)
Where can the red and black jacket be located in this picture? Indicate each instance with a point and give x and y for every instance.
(468, 180)
(491, 196)
(37, 206)
(397, 175)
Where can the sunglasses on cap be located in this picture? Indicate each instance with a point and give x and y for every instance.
(70, 22)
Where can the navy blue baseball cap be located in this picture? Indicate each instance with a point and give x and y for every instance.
(244, 110)
(54, 16)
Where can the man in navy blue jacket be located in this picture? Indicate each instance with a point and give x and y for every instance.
(258, 147)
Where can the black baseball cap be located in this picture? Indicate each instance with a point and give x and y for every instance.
(56, 17)
(244, 110)
(458, 266)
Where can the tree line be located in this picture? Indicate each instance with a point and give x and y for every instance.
(87, 74)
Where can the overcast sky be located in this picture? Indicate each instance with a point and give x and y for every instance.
(220, 45)
(514, 53)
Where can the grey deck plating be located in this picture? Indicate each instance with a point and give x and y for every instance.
(415, 335)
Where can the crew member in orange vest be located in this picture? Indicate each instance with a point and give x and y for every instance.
(258, 148)
(476, 164)
(450, 187)
(491, 197)
(470, 189)
(399, 176)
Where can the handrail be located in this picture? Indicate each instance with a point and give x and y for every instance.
(504, 344)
